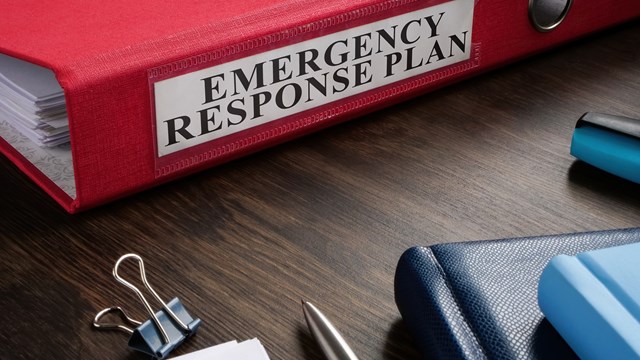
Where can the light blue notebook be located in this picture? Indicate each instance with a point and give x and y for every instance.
(593, 301)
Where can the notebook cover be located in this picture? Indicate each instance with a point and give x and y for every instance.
(593, 300)
(107, 54)
(478, 299)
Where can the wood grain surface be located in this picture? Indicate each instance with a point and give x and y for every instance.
(325, 218)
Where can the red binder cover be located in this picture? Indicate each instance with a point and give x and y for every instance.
(156, 90)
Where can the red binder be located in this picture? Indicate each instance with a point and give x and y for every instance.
(156, 90)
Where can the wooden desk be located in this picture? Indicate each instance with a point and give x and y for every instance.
(325, 218)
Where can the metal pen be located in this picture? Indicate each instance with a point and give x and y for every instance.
(329, 339)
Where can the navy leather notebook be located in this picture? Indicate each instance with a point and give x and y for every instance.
(478, 300)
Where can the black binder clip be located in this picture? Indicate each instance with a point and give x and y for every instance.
(163, 331)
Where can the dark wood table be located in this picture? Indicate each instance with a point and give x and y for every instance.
(325, 218)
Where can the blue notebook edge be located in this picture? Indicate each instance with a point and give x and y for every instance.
(410, 300)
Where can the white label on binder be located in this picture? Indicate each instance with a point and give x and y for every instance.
(215, 102)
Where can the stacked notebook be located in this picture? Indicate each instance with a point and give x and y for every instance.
(32, 102)
(479, 299)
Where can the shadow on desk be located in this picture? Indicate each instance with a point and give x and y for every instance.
(399, 344)
(603, 183)
(310, 347)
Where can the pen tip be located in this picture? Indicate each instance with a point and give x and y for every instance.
(302, 301)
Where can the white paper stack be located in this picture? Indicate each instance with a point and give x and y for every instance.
(232, 350)
(32, 102)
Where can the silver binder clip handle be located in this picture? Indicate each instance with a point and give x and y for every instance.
(113, 326)
(143, 276)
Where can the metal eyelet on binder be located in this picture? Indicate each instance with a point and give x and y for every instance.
(163, 331)
(546, 15)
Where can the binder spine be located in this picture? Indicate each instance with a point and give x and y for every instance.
(330, 116)
(325, 114)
